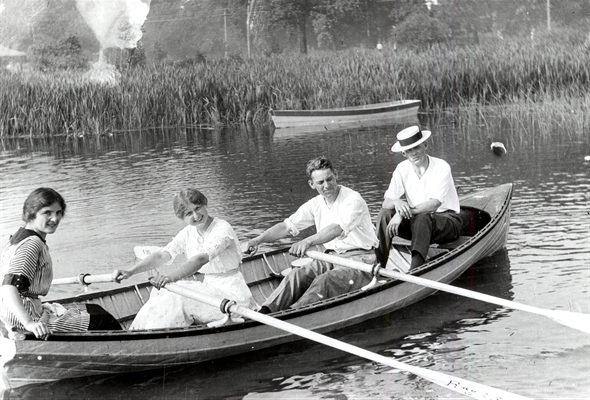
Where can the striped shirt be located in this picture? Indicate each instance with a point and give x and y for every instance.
(30, 258)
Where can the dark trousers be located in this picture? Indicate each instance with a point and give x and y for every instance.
(319, 280)
(421, 229)
(101, 320)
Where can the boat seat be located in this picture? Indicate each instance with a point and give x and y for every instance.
(398, 241)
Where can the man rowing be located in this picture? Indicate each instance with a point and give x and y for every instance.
(343, 226)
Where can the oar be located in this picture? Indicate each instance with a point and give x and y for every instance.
(84, 279)
(472, 389)
(570, 319)
(142, 252)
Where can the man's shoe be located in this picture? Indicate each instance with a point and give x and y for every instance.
(264, 310)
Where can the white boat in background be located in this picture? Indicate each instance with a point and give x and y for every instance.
(347, 117)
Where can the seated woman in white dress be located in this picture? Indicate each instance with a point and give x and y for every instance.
(212, 248)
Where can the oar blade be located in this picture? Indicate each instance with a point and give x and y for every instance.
(571, 319)
(463, 386)
(142, 252)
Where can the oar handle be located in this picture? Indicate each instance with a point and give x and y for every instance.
(459, 385)
(84, 279)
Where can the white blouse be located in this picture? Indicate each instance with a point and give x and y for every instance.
(219, 242)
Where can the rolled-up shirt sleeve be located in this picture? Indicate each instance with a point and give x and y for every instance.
(396, 186)
(351, 214)
(302, 218)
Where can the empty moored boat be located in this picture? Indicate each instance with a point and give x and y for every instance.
(346, 117)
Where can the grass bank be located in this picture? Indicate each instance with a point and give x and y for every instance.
(545, 78)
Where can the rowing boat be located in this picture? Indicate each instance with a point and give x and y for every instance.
(346, 117)
(26, 360)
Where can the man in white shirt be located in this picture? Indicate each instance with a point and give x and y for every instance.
(343, 225)
(421, 203)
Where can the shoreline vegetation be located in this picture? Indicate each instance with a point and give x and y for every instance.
(542, 82)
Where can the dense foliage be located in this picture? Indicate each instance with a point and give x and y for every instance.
(64, 55)
(209, 92)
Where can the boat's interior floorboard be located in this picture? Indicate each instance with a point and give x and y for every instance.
(402, 243)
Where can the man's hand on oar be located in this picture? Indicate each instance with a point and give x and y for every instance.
(571, 319)
(471, 389)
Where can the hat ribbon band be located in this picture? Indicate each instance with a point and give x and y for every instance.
(411, 140)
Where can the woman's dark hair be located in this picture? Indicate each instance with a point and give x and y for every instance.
(39, 198)
(186, 199)
(318, 163)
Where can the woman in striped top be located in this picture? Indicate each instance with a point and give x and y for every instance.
(26, 272)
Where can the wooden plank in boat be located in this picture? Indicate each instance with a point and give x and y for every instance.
(398, 241)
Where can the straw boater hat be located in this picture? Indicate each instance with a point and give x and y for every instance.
(410, 137)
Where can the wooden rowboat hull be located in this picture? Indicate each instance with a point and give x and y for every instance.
(347, 117)
(68, 355)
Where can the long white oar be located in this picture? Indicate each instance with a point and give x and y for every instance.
(83, 279)
(571, 319)
(472, 389)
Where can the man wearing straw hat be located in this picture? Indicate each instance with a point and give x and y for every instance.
(421, 203)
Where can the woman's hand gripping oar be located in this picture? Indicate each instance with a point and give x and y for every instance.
(571, 319)
(472, 389)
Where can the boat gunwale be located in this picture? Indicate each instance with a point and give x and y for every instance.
(376, 108)
(197, 330)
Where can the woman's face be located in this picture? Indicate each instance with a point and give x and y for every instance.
(197, 216)
(47, 219)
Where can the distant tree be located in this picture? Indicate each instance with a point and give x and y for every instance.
(509, 17)
(521, 16)
(185, 27)
(400, 10)
(64, 55)
(420, 30)
(465, 19)
(52, 21)
(301, 15)
(136, 56)
(159, 53)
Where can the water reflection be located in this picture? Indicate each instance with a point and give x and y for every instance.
(291, 371)
(119, 191)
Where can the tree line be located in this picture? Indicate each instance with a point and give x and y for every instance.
(191, 31)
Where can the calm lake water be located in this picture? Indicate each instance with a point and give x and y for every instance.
(119, 194)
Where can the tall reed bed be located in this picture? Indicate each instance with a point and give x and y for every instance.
(519, 121)
(509, 72)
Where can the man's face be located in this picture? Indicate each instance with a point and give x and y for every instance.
(417, 154)
(324, 181)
